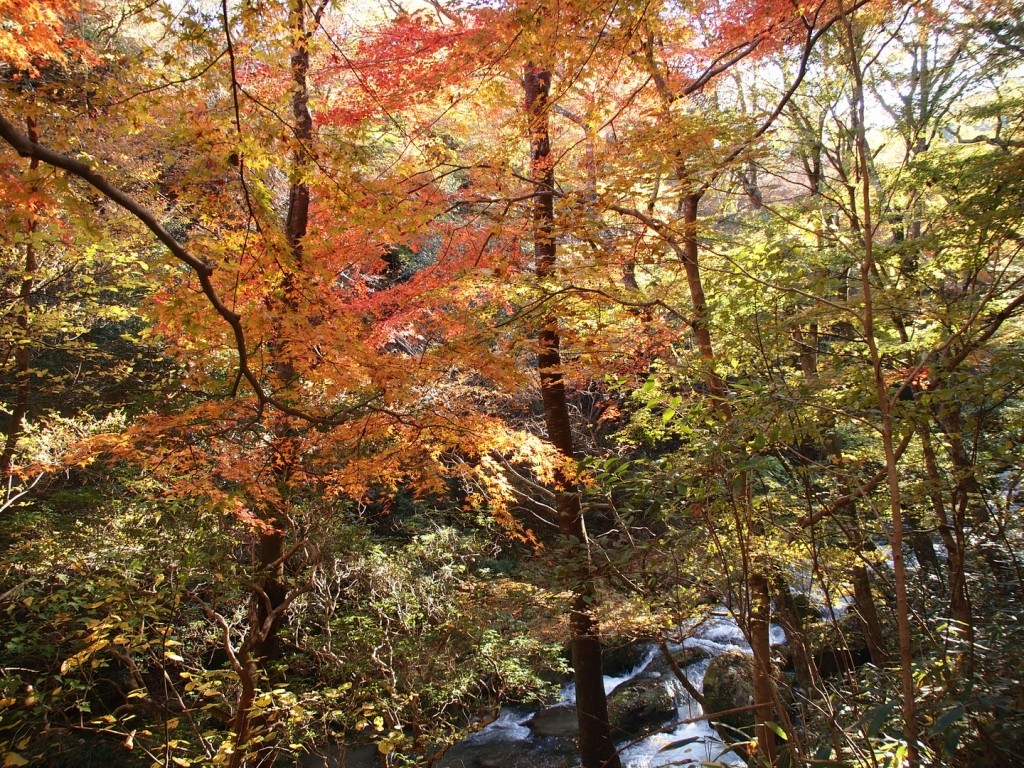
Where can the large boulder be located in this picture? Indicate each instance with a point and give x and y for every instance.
(649, 699)
(728, 684)
(653, 697)
(840, 659)
(639, 704)
(547, 753)
(806, 607)
(557, 720)
(685, 656)
(838, 646)
(557, 753)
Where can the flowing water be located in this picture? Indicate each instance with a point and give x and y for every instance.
(510, 740)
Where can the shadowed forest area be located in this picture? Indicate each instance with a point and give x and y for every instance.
(511, 383)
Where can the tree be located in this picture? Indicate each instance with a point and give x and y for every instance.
(595, 741)
(761, 258)
(315, 397)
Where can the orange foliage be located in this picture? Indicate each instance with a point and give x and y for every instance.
(35, 32)
(394, 365)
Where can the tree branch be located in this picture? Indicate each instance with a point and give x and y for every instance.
(25, 147)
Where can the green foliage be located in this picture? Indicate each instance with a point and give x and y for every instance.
(106, 635)
(427, 640)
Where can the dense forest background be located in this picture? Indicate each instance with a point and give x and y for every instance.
(368, 365)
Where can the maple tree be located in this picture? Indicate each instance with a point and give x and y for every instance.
(347, 383)
(649, 274)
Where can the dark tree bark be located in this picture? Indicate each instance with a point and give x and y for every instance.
(796, 636)
(23, 347)
(272, 589)
(868, 614)
(596, 747)
(764, 683)
(953, 538)
(270, 595)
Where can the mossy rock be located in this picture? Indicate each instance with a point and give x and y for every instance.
(847, 631)
(728, 684)
(690, 654)
(556, 720)
(639, 704)
(88, 751)
(559, 755)
(549, 753)
(838, 647)
(340, 755)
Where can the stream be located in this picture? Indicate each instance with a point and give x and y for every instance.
(528, 739)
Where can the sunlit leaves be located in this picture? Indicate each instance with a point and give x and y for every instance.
(34, 34)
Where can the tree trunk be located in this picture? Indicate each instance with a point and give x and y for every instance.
(867, 610)
(241, 724)
(701, 328)
(867, 267)
(272, 590)
(921, 543)
(23, 347)
(596, 747)
(796, 638)
(758, 609)
(868, 614)
(969, 505)
(764, 683)
(954, 539)
(270, 596)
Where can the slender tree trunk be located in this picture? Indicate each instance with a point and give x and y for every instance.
(868, 614)
(23, 346)
(807, 350)
(759, 607)
(751, 187)
(796, 637)
(863, 595)
(297, 222)
(867, 267)
(273, 590)
(953, 538)
(764, 682)
(970, 509)
(757, 584)
(759, 604)
(691, 266)
(921, 543)
(596, 747)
